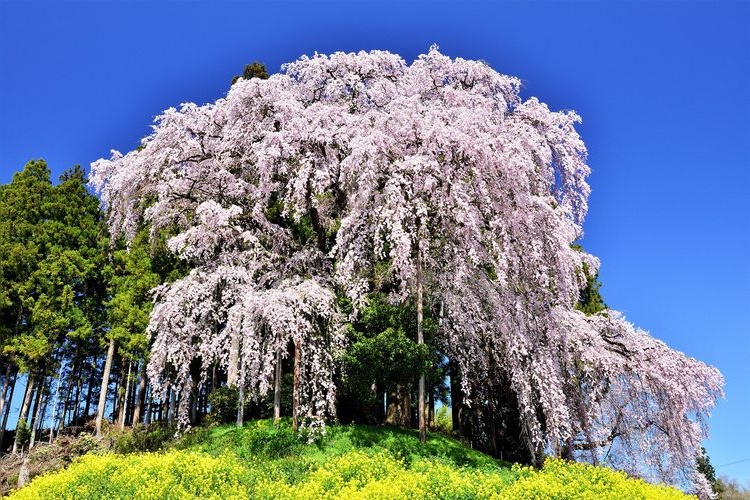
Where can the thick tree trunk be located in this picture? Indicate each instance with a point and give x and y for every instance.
(391, 414)
(105, 385)
(24, 410)
(399, 407)
(277, 389)
(295, 387)
(405, 400)
(140, 400)
(420, 341)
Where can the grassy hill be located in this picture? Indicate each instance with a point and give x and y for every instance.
(263, 461)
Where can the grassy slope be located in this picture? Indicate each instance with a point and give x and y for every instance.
(262, 461)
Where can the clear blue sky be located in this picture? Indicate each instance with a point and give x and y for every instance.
(663, 88)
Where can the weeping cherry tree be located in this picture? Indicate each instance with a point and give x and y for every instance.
(471, 198)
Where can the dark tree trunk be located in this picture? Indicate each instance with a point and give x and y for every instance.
(399, 407)
(66, 399)
(90, 388)
(194, 396)
(457, 398)
(160, 407)
(6, 411)
(149, 407)
(405, 397)
(171, 405)
(204, 401)
(4, 390)
(77, 403)
(420, 341)
(295, 387)
(140, 400)
(4, 400)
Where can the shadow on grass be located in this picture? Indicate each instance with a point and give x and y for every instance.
(405, 443)
(263, 439)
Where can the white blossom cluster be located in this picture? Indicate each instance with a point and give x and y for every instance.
(440, 159)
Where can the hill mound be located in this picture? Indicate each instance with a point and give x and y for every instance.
(261, 460)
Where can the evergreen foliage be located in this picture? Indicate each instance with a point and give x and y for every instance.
(254, 70)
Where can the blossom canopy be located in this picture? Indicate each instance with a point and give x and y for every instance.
(290, 190)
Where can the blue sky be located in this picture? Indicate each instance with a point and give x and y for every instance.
(663, 89)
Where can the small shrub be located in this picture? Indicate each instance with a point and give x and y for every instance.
(23, 434)
(83, 444)
(142, 438)
(223, 401)
(444, 420)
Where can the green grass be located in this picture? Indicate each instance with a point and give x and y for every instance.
(262, 439)
(261, 460)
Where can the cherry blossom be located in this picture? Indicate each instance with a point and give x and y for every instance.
(438, 169)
